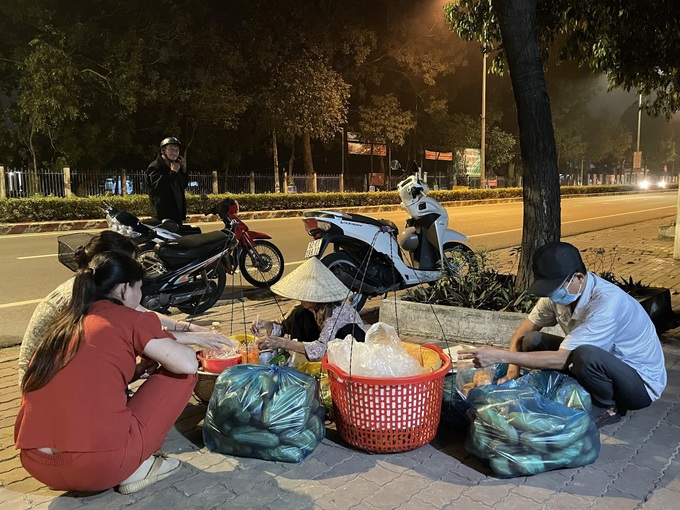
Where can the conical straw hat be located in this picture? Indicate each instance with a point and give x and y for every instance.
(312, 282)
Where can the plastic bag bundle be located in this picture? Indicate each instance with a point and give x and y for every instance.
(265, 412)
(533, 424)
(454, 407)
(380, 355)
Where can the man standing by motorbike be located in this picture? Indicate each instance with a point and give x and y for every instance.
(167, 178)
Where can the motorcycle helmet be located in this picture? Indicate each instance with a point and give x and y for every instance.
(170, 140)
(408, 239)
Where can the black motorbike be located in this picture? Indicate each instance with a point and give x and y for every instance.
(186, 272)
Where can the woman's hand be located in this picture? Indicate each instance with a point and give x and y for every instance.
(210, 340)
(272, 342)
(261, 327)
(144, 368)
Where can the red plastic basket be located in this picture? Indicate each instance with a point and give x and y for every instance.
(218, 365)
(387, 415)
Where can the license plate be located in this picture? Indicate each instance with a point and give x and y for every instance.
(313, 248)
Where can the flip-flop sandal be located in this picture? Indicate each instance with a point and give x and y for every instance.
(151, 477)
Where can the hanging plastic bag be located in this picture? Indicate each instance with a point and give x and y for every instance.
(265, 412)
(313, 368)
(455, 408)
(469, 377)
(533, 424)
(380, 355)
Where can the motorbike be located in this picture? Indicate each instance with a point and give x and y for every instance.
(259, 260)
(186, 273)
(372, 258)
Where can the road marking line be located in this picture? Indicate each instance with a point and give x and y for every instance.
(573, 221)
(37, 256)
(21, 303)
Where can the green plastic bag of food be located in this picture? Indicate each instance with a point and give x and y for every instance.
(265, 412)
(533, 424)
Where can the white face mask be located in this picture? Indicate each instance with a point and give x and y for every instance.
(562, 296)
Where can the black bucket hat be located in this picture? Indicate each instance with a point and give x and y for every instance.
(553, 264)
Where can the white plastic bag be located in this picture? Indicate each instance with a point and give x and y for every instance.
(381, 355)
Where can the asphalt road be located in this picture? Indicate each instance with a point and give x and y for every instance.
(29, 269)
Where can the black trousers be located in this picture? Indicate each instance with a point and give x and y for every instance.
(301, 324)
(610, 381)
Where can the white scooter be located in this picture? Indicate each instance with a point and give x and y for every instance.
(371, 258)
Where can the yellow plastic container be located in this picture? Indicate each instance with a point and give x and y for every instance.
(244, 337)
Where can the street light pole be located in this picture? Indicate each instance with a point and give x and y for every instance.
(639, 118)
(483, 142)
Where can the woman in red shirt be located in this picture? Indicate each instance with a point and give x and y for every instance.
(76, 429)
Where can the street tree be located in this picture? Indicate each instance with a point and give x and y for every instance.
(384, 121)
(632, 43)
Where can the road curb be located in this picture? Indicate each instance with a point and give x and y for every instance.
(67, 225)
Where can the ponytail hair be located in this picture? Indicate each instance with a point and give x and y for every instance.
(106, 240)
(92, 283)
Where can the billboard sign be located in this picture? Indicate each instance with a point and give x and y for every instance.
(357, 146)
(470, 162)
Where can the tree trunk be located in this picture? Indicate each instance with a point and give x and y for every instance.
(31, 184)
(291, 162)
(307, 159)
(275, 154)
(541, 187)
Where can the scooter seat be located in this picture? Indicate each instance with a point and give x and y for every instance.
(185, 249)
(359, 218)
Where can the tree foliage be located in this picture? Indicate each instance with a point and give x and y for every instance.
(632, 43)
(97, 84)
(606, 35)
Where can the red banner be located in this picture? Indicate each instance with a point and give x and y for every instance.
(439, 156)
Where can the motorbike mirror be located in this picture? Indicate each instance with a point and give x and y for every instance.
(395, 166)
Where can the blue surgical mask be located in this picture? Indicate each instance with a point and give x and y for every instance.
(562, 296)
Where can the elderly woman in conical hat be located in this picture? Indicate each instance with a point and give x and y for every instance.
(321, 315)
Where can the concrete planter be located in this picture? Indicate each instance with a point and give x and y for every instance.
(467, 325)
(459, 325)
(657, 303)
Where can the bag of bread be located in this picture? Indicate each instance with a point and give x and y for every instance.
(469, 377)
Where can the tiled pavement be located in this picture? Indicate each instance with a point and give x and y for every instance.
(639, 466)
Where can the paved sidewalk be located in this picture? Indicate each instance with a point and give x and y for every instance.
(639, 466)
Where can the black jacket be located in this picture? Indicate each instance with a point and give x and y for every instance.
(166, 191)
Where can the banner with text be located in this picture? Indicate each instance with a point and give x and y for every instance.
(469, 161)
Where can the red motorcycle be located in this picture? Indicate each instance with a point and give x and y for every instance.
(259, 260)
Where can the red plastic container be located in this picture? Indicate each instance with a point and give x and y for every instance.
(387, 415)
(217, 365)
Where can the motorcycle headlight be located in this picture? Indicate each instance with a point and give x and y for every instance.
(644, 185)
(128, 232)
(662, 184)
(124, 230)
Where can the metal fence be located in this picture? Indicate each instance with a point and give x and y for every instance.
(24, 183)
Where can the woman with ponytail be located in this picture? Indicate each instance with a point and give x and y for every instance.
(45, 313)
(76, 428)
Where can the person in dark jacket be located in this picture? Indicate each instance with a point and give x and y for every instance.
(167, 178)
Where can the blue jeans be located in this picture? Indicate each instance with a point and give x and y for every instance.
(610, 381)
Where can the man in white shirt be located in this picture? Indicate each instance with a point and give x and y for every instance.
(610, 346)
